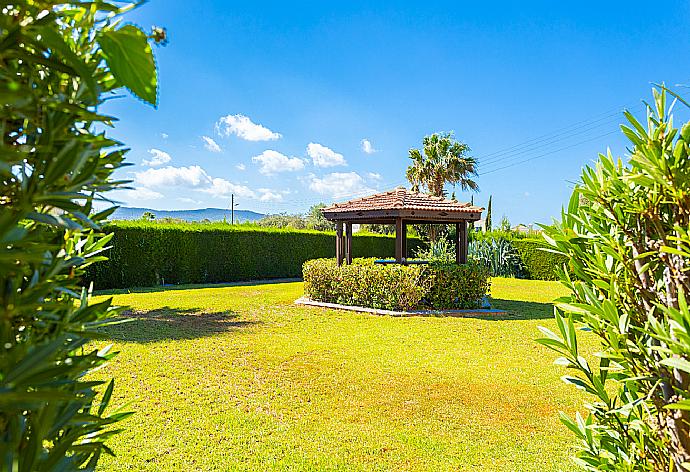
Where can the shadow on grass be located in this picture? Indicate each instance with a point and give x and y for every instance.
(173, 323)
(520, 310)
(166, 288)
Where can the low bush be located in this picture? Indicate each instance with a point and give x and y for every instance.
(391, 287)
(147, 254)
(396, 287)
(456, 286)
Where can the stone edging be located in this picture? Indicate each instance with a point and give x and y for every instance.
(483, 312)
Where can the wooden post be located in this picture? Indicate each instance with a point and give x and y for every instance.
(461, 242)
(348, 243)
(399, 240)
(458, 250)
(404, 242)
(339, 242)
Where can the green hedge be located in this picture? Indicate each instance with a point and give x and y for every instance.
(147, 254)
(396, 287)
(539, 264)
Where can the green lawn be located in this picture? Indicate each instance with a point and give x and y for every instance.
(237, 378)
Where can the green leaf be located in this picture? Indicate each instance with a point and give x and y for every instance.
(676, 363)
(130, 59)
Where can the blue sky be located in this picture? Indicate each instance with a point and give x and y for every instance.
(272, 101)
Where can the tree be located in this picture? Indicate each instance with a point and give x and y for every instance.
(487, 224)
(505, 224)
(626, 235)
(148, 215)
(58, 62)
(442, 160)
(316, 220)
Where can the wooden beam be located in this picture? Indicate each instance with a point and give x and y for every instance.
(348, 243)
(399, 235)
(339, 242)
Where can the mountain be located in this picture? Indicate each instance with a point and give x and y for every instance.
(213, 214)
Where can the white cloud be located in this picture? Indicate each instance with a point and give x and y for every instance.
(164, 177)
(268, 195)
(164, 135)
(158, 158)
(374, 176)
(367, 147)
(340, 185)
(224, 188)
(140, 193)
(324, 156)
(273, 162)
(240, 167)
(210, 144)
(242, 127)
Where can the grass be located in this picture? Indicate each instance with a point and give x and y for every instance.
(238, 378)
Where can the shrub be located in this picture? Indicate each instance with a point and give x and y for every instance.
(626, 234)
(390, 287)
(147, 254)
(58, 63)
(395, 287)
(456, 286)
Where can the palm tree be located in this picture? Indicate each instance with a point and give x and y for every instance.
(444, 161)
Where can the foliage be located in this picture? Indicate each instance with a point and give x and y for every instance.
(316, 220)
(442, 160)
(283, 220)
(390, 287)
(396, 287)
(629, 248)
(149, 253)
(378, 228)
(458, 286)
(504, 225)
(148, 215)
(442, 250)
(283, 387)
(537, 260)
(58, 62)
(499, 256)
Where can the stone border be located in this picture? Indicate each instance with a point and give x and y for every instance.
(483, 312)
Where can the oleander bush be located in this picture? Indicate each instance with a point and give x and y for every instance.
(59, 61)
(396, 287)
(626, 234)
(147, 254)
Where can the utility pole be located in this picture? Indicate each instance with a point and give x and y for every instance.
(232, 209)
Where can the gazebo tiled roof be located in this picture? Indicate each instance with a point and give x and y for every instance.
(402, 199)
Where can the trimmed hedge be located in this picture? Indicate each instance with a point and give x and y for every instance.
(396, 287)
(538, 264)
(145, 254)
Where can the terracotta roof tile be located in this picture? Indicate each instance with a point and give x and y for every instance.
(402, 199)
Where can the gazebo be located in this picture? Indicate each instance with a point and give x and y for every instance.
(400, 207)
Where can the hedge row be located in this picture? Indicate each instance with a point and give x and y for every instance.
(396, 287)
(538, 264)
(150, 254)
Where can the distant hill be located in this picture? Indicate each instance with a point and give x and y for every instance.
(213, 214)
